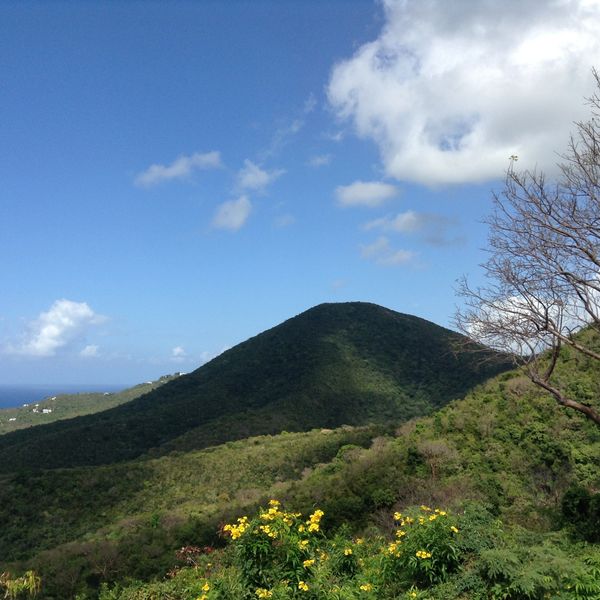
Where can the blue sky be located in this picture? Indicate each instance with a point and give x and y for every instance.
(179, 176)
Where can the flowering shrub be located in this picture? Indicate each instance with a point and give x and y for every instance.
(284, 555)
(276, 546)
(425, 550)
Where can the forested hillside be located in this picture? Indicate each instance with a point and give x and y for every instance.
(335, 364)
(506, 453)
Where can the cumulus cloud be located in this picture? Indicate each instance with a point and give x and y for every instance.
(450, 90)
(64, 322)
(382, 253)
(252, 177)
(182, 167)
(320, 160)
(365, 193)
(90, 351)
(232, 214)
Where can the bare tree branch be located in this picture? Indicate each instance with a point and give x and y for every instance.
(543, 270)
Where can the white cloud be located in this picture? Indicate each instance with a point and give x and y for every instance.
(178, 354)
(365, 193)
(180, 168)
(232, 214)
(405, 222)
(252, 177)
(382, 253)
(320, 160)
(450, 90)
(54, 329)
(90, 351)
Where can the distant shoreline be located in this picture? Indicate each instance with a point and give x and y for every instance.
(15, 395)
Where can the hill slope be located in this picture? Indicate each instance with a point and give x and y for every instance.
(334, 364)
(68, 406)
(506, 445)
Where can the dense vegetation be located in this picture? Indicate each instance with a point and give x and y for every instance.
(517, 475)
(67, 406)
(429, 554)
(335, 364)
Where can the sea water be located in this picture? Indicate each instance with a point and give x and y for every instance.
(13, 396)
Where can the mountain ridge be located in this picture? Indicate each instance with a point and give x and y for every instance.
(336, 363)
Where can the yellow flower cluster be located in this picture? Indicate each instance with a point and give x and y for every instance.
(267, 530)
(308, 563)
(347, 551)
(302, 586)
(422, 554)
(303, 544)
(263, 593)
(274, 513)
(366, 587)
(236, 531)
(314, 520)
(393, 548)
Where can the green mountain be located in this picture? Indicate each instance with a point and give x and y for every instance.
(506, 446)
(352, 363)
(67, 406)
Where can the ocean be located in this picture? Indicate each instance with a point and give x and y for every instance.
(12, 396)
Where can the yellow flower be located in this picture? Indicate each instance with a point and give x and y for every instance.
(273, 503)
(302, 586)
(267, 529)
(366, 587)
(425, 508)
(397, 516)
(308, 563)
(347, 551)
(422, 554)
(433, 517)
(303, 544)
(359, 541)
(454, 529)
(206, 587)
(263, 593)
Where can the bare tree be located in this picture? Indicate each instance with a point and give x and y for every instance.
(543, 269)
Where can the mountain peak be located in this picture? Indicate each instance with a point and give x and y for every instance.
(336, 363)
